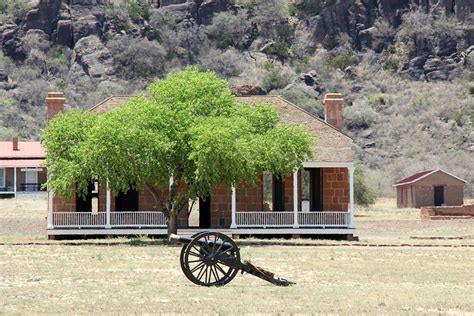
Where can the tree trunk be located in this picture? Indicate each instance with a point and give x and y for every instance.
(172, 223)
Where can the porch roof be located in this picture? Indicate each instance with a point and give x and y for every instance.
(20, 163)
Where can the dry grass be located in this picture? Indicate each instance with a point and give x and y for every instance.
(55, 278)
(123, 279)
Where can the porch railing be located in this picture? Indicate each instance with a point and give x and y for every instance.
(78, 219)
(264, 219)
(286, 219)
(99, 220)
(137, 219)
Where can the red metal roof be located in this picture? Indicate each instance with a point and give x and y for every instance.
(29, 154)
(25, 150)
(414, 177)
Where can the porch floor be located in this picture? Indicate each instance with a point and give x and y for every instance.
(191, 231)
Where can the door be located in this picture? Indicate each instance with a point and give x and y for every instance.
(127, 202)
(316, 190)
(278, 194)
(31, 180)
(84, 204)
(205, 212)
(438, 195)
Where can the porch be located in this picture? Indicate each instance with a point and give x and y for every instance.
(14, 180)
(236, 217)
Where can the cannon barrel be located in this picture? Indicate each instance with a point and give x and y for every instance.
(201, 242)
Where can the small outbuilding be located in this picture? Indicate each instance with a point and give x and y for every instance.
(434, 187)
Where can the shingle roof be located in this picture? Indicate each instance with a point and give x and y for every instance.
(331, 144)
(423, 174)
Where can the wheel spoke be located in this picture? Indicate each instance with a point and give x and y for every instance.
(201, 272)
(196, 254)
(220, 269)
(197, 267)
(214, 274)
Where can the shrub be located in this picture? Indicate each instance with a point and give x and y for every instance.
(392, 64)
(137, 57)
(138, 9)
(471, 89)
(226, 64)
(274, 79)
(229, 29)
(363, 194)
(341, 61)
(359, 117)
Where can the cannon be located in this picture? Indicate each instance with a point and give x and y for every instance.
(213, 259)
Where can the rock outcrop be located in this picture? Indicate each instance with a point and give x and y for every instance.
(93, 57)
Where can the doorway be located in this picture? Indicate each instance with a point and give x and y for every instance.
(312, 190)
(31, 180)
(205, 212)
(439, 195)
(127, 202)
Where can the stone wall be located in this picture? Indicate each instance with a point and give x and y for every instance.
(447, 211)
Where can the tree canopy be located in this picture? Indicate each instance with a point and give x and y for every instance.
(189, 129)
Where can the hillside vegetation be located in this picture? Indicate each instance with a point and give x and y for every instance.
(405, 67)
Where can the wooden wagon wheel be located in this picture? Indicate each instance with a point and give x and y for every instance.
(204, 260)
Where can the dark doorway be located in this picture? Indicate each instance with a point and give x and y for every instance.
(205, 212)
(278, 194)
(84, 203)
(127, 202)
(316, 190)
(438, 195)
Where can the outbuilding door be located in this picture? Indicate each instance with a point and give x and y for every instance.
(438, 195)
(205, 212)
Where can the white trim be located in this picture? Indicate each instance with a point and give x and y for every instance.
(427, 175)
(234, 208)
(107, 206)
(3, 178)
(50, 210)
(14, 180)
(31, 169)
(327, 164)
(295, 199)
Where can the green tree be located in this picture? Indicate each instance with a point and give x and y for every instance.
(363, 194)
(190, 129)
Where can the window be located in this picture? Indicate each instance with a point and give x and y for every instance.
(273, 193)
(2, 177)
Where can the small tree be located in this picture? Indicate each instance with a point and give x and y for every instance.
(190, 130)
(363, 194)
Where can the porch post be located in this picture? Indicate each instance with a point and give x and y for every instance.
(351, 196)
(233, 223)
(295, 200)
(50, 209)
(107, 207)
(14, 180)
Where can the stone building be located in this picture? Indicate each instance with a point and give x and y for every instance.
(434, 187)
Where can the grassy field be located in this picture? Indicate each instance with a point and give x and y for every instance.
(52, 277)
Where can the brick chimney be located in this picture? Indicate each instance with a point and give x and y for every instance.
(15, 143)
(333, 109)
(55, 104)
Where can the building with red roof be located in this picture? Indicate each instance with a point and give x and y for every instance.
(21, 167)
(432, 187)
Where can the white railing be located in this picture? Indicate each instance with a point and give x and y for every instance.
(286, 219)
(137, 219)
(78, 219)
(99, 220)
(324, 219)
(264, 219)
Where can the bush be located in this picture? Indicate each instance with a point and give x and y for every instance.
(359, 117)
(392, 64)
(471, 89)
(138, 9)
(226, 64)
(274, 79)
(363, 194)
(137, 57)
(341, 61)
(229, 29)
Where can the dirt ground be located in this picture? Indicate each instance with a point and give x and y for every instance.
(396, 268)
